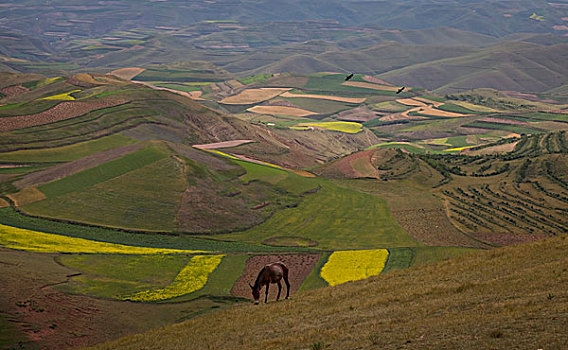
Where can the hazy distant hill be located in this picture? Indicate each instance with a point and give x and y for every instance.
(88, 18)
(515, 66)
(408, 41)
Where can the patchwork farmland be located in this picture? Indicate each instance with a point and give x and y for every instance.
(140, 197)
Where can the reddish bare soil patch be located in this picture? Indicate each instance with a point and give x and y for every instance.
(428, 101)
(326, 97)
(224, 144)
(14, 90)
(346, 166)
(411, 102)
(127, 73)
(370, 86)
(300, 265)
(281, 110)
(63, 111)
(438, 112)
(371, 79)
(249, 96)
(67, 169)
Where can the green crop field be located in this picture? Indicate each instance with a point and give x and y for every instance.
(67, 153)
(506, 127)
(25, 108)
(110, 276)
(255, 78)
(348, 220)
(451, 107)
(103, 172)
(288, 181)
(11, 217)
(332, 83)
(313, 280)
(137, 192)
(22, 169)
(430, 255)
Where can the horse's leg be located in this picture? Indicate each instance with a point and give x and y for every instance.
(279, 289)
(286, 281)
(266, 295)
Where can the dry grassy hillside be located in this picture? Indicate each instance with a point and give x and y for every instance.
(508, 298)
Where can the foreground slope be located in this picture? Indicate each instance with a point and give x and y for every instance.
(511, 297)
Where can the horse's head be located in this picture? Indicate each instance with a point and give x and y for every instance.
(255, 293)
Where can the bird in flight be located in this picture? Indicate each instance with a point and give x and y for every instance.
(349, 77)
(400, 90)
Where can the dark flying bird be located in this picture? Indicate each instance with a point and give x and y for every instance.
(349, 77)
(400, 90)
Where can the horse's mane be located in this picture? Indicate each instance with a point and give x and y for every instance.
(259, 276)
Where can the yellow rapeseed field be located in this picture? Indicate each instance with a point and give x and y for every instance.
(347, 127)
(41, 242)
(457, 149)
(352, 265)
(190, 279)
(65, 96)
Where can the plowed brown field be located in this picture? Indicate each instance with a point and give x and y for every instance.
(370, 86)
(127, 73)
(326, 97)
(281, 110)
(300, 265)
(249, 96)
(14, 90)
(224, 144)
(63, 111)
(371, 79)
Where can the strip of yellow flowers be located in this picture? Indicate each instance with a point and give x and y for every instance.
(352, 265)
(190, 279)
(64, 96)
(41, 242)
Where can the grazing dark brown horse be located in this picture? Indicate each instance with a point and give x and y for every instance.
(271, 273)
